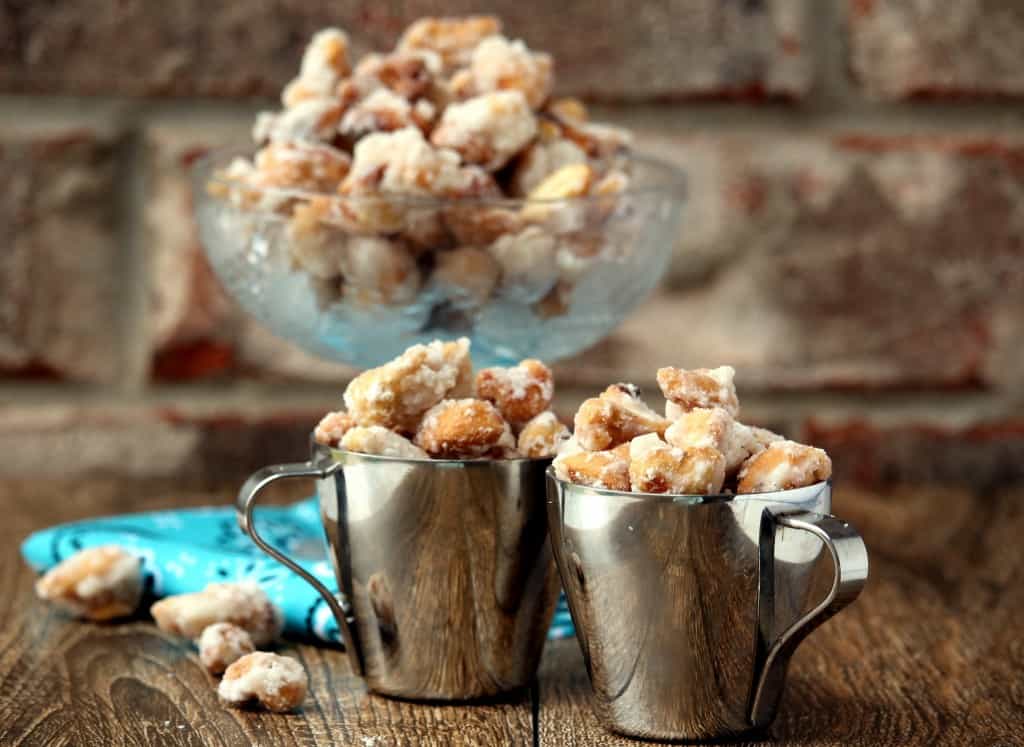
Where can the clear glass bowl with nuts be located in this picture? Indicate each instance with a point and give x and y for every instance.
(358, 278)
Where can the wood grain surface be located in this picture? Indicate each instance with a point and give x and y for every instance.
(932, 653)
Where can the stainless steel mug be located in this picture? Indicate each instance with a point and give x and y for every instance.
(447, 586)
(688, 608)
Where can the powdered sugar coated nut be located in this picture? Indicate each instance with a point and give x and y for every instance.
(498, 64)
(607, 470)
(384, 111)
(313, 119)
(466, 276)
(243, 604)
(221, 645)
(658, 467)
(452, 39)
(332, 427)
(488, 129)
(278, 683)
(464, 429)
(716, 428)
(379, 270)
(377, 440)
(302, 166)
(784, 465)
(314, 243)
(528, 262)
(324, 63)
(98, 583)
(542, 159)
(542, 436)
(617, 416)
(701, 387)
(519, 392)
(397, 394)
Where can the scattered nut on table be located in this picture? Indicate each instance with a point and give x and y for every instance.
(99, 583)
(243, 604)
(278, 683)
(222, 644)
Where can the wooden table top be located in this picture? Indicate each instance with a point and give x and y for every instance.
(932, 653)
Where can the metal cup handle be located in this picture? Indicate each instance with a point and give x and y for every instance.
(850, 561)
(244, 506)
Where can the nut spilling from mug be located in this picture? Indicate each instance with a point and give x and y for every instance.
(698, 447)
(426, 403)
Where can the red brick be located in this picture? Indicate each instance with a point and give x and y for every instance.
(904, 49)
(58, 270)
(610, 50)
(193, 444)
(983, 457)
(848, 262)
(196, 331)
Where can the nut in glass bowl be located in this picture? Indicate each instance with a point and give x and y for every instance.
(360, 278)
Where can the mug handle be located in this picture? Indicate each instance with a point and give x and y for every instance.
(850, 561)
(244, 506)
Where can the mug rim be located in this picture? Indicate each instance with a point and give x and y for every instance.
(688, 499)
(337, 454)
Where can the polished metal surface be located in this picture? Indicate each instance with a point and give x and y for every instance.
(688, 608)
(447, 585)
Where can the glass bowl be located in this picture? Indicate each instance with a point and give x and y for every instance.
(519, 277)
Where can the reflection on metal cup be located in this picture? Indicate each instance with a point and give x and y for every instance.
(688, 608)
(447, 585)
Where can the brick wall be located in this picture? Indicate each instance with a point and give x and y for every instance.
(854, 242)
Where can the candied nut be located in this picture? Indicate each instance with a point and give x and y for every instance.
(765, 437)
(542, 436)
(313, 243)
(243, 604)
(375, 439)
(547, 202)
(278, 683)
(716, 428)
(701, 387)
(527, 259)
(607, 470)
(618, 415)
(379, 270)
(381, 111)
(657, 467)
(784, 465)
(308, 166)
(332, 427)
(221, 645)
(425, 230)
(397, 394)
(540, 160)
(519, 392)
(466, 276)
(605, 195)
(577, 255)
(98, 583)
(570, 109)
(480, 225)
(314, 119)
(324, 63)
(487, 129)
(498, 64)
(452, 39)
(409, 74)
(464, 429)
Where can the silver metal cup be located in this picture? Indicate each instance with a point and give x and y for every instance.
(447, 586)
(688, 608)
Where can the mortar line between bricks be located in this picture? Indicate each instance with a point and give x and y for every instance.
(847, 112)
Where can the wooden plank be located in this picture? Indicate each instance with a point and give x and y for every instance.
(64, 682)
(930, 654)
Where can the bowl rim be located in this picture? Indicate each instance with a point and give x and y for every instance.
(674, 181)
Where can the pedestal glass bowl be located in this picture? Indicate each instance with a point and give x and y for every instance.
(584, 265)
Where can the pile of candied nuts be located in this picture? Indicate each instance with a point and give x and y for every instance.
(697, 448)
(360, 155)
(227, 621)
(427, 403)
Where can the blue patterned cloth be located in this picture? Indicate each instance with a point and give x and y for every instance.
(184, 550)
